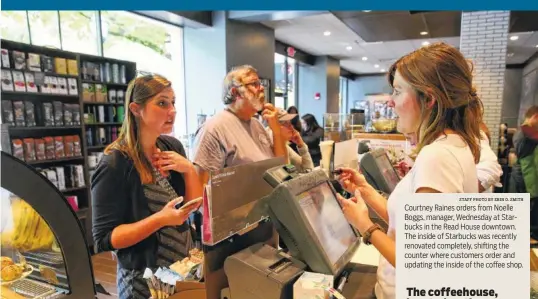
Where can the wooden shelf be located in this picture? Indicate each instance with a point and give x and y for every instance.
(96, 147)
(102, 103)
(104, 83)
(67, 159)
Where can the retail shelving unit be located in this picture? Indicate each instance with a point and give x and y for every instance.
(37, 76)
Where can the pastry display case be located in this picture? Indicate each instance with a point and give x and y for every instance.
(44, 253)
(340, 127)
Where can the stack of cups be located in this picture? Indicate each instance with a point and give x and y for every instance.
(326, 148)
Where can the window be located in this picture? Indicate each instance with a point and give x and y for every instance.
(79, 31)
(44, 28)
(154, 46)
(14, 26)
(285, 81)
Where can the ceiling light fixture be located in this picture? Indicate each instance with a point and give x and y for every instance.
(382, 70)
(376, 65)
(349, 48)
(514, 37)
(426, 43)
(367, 10)
(536, 46)
(327, 33)
(424, 33)
(364, 58)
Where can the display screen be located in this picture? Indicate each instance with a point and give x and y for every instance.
(387, 171)
(327, 220)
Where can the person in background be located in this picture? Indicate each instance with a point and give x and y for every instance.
(435, 100)
(301, 159)
(139, 189)
(234, 136)
(488, 169)
(296, 123)
(312, 134)
(524, 177)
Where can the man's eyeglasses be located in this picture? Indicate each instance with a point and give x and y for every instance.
(256, 84)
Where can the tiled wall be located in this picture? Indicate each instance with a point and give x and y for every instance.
(484, 39)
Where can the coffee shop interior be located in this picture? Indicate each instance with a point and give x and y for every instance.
(64, 81)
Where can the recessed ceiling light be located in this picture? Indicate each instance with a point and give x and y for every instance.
(425, 43)
(536, 46)
(327, 33)
(364, 58)
(367, 10)
(514, 37)
(349, 48)
(376, 65)
(424, 33)
(382, 70)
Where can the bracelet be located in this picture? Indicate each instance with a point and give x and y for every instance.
(368, 234)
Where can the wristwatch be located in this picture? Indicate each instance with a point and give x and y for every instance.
(368, 234)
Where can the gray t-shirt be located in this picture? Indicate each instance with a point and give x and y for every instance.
(226, 141)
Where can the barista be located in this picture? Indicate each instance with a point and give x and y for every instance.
(436, 108)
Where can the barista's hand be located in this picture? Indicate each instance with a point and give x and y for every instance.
(356, 212)
(170, 160)
(270, 114)
(170, 216)
(351, 179)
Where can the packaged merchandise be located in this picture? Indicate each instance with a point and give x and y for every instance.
(75, 110)
(40, 149)
(68, 146)
(18, 111)
(162, 283)
(68, 115)
(312, 285)
(59, 151)
(5, 59)
(61, 177)
(34, 62)
(120, 96)
(19, 82)
(7, 81)
(72, 67)
(47, 64)
(19, 60)
(112, 96)
(54, 88)
(62, 86)
(29, 149)
(47, 85)
(17, 149)
(48, 114)
(7, 113)
(58, 113)
(100, 93)
(30, 114)
(30, 82)
(77, 149)
(51, 175)
(60, 65)
(49, 148)
(88, 92)
(79, 176)
(73, 202)
(72, 86)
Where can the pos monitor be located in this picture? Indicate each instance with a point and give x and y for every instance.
(308, 217)
(378, 171)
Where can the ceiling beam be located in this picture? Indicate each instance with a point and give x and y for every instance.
(270, 15)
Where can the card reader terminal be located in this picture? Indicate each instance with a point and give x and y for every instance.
(277, 175)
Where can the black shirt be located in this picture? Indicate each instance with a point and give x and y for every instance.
(118, 198)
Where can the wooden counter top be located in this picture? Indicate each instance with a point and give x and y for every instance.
(388, 136)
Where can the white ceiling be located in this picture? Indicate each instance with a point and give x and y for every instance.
(307, 34)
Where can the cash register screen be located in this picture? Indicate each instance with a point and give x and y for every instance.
(387, 170)
(325, 216)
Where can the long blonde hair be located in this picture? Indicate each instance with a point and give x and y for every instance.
(140, 91)
(441, 73)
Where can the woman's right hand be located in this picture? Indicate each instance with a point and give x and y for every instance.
(170, 216)
(351, 179)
